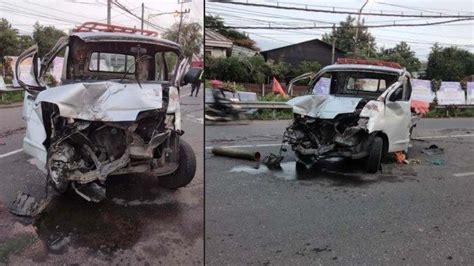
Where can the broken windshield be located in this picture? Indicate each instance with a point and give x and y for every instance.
(367, 84)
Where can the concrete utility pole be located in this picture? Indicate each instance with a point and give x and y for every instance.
(357, 27)
(109, 8)
(333, 57)
(181, 14)
(143, 15)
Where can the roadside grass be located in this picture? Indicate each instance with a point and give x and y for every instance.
(11, 97)
(450, 112)
(266, 114)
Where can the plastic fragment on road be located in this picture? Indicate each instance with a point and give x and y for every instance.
(438, 162)
(236, 153)
(400, 158)
(433, 150)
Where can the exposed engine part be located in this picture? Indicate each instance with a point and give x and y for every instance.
(313, 139)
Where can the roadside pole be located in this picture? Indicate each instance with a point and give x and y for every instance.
(143, 15)
(109, 8)
(333, 43)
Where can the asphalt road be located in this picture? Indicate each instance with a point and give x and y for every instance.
(138, 223)
(413, 214)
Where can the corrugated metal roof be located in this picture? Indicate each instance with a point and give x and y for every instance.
(215, 39)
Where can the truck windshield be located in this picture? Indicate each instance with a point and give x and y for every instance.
(109, 62)
(370, 84)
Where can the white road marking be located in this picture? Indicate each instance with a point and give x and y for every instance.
(10, 153)
(445, 136)
(463, 174)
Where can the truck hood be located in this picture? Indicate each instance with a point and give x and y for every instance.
(323, 106)
(103, 101)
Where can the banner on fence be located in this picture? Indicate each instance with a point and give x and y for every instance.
(2, 84)
(450, 93)
(322, 86)
(470, 93)
(421, 90)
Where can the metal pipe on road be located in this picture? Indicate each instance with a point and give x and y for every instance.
(236, 153)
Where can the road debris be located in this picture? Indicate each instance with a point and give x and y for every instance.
(236, 153)
(400, 158)
(438, 162)
(272, 161)
(27, 206)
(433, 150)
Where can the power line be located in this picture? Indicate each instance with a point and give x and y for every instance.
(334, 11)
(119, 5)
(353, 26)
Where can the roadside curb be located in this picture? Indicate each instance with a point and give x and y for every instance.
(11, 105)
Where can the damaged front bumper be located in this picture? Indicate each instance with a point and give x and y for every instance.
(315, 140)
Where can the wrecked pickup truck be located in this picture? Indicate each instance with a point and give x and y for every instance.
(365, 115)
(115, 111)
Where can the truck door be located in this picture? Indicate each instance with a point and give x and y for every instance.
(398, 117)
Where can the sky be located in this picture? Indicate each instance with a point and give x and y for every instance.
(420, 39)
(65, 14)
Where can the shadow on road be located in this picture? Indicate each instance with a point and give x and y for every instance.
(116, 223)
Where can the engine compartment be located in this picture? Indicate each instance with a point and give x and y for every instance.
(345, 135)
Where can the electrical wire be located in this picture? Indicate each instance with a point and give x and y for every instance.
(334, 11)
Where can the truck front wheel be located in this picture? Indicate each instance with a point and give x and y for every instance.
(186, 169)
(375, 155)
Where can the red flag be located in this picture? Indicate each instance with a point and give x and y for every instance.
(276, 88)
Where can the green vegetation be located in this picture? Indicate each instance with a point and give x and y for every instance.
(345, 35)
(190, 37)
(216, 24)
(450, 112)
(266, 114)
(11, 97)
(254, 69)
(449, 63)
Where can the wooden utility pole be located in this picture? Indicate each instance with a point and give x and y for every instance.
(109, 8)
(143, 15)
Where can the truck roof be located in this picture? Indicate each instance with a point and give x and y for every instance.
(361, 67)
(123, 37)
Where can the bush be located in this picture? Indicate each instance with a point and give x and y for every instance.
(254, 69)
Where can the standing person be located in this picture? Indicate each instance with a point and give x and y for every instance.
(197, 83)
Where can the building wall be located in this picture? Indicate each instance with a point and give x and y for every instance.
(216, 52)
(310, 51)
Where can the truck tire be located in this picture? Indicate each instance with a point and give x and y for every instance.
(300, 167)
(186, 169)
(375, 155)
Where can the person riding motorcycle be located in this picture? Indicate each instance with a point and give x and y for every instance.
(222, 105)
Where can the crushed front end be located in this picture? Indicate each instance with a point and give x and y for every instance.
(313, 139)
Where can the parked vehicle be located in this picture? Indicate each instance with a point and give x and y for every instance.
(366, 114)
(116, 110)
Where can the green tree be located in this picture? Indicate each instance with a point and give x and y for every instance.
(8, 39)
(305, 67)
(345, 36)
(449, 63)
(401, 54)
(46, 37)
(24, 42)
(190, 37)
(216, 23)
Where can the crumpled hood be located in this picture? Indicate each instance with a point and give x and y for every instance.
(103, 101)
(323, 106)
